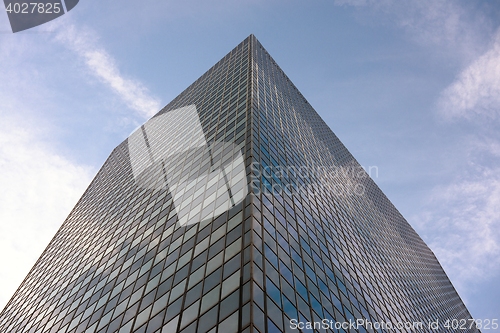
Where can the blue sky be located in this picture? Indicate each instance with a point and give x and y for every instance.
(410, 87)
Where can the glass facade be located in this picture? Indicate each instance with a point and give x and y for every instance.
(234, 209)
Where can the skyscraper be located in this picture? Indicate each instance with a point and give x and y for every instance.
(235, 209)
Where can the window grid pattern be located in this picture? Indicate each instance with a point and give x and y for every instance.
(121, 262)
(328, 250)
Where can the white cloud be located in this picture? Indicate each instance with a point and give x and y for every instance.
(461, 220)
(458, 31)
(39, 188)
(461, 34)
(39, 184)
(476, 91)
(102, 65)
(462, 226)
(465, 215)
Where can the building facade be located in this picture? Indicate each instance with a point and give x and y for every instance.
(235, 209)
